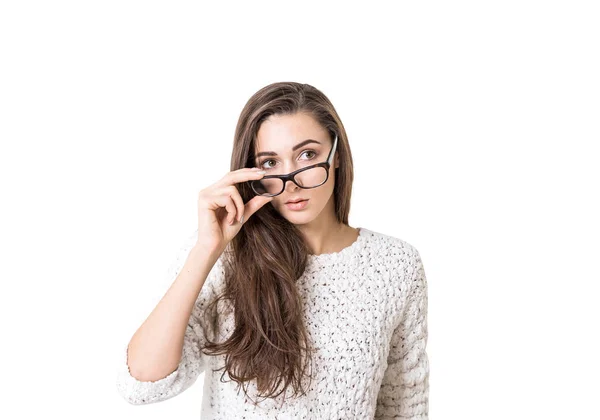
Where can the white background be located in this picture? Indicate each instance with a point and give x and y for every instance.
(474, 128)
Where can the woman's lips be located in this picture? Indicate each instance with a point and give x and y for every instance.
(297, 206)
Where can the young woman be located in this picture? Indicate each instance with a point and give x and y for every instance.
(278, 293)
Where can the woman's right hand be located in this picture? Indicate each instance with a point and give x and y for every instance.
(221, 208)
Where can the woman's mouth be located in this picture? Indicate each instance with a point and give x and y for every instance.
(297, 206)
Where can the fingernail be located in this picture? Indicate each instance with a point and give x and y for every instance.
(255, 169)
(242, 219)
(261, 172)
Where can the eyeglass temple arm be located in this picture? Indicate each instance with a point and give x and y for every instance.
(332, 153)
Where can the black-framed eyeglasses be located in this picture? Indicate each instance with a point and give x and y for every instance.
(311, 176)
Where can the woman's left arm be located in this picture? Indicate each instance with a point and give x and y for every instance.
(404, 392)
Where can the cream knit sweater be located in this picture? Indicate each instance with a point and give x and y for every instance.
(365, 309)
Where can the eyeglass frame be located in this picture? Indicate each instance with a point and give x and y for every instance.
(291, 175)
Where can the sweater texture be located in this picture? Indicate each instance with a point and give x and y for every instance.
(365, 309)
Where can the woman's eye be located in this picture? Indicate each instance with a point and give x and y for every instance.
(265, 161)
(311, 155)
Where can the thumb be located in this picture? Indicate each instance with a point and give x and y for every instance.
(255, 204)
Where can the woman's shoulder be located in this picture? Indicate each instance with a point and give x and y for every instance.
(389, 244)
(397, 255)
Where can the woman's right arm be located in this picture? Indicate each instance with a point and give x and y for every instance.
(155, 348)
(163, 357)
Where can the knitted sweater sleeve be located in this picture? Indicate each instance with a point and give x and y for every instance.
(193, 361)
(404, 392)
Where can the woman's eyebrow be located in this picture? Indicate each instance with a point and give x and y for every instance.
(296, 147)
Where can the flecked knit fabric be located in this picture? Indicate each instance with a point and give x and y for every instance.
(365, 309)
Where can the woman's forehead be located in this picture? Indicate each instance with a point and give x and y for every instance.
(285, 147)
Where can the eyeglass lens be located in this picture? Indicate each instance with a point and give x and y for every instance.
(310, 178)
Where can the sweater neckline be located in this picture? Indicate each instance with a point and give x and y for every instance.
(324, 259)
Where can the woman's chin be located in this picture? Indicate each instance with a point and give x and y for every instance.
(298, 217)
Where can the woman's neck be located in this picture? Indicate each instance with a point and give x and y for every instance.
(331, 239)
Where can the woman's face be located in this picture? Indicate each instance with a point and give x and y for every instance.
(280, 134)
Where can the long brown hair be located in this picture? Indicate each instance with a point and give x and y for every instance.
(268, 255)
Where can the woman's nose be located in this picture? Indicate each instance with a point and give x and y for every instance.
(290, 186)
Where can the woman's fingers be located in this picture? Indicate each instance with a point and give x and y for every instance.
(253, 205)
(240, 175)
(225, 200)
(239, 203)
(229, 181)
